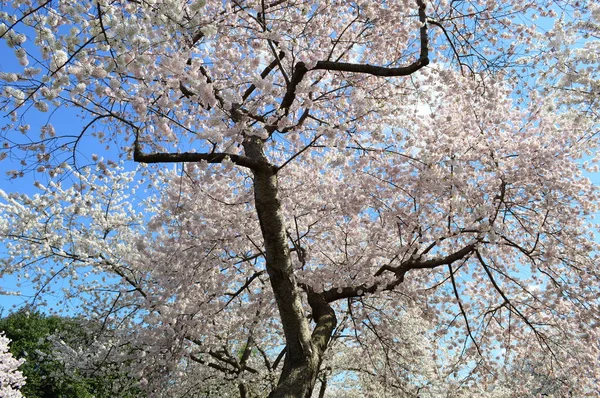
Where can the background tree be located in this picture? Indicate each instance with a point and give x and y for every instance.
(38, 340)
(334, 178)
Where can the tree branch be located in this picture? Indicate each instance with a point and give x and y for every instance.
(301, 69)
(264, 74)
(334, 294)
(188, 157)
(325, 318)
(462, 309)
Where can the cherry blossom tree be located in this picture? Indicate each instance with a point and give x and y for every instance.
(380, 191)
(11, 379)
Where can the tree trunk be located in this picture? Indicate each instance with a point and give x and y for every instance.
(304, 351)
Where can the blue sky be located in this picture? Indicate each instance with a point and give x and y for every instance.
(65, 121)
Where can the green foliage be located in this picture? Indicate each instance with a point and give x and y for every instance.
(48, 377)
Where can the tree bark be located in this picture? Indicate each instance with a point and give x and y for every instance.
(304, 350)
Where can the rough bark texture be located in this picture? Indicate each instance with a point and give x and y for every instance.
(304, 350)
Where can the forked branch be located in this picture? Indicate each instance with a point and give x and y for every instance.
(301, 69)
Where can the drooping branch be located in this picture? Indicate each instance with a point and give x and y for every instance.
(509, 303)
(462, 308)
(66, 256)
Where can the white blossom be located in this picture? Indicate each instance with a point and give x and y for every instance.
(11, 379)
